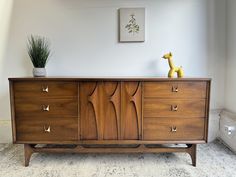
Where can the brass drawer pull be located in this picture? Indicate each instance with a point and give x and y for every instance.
(175, 89)
(45, 89)
(174, 107)
(46, 107)
(173, 129)
(48, 130)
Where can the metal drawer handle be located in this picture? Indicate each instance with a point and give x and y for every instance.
(46, 107)
(48, 130)
(175, 89)
(45, 89)
(174, 107)
(173, 129)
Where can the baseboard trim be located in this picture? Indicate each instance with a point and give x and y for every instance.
(224, 143)
(5, 122)
(5, 131)
(216, 111)
(228, 113)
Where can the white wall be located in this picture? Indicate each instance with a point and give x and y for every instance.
(230, 91)
(216, 25)
(5, 15)
(84, 37)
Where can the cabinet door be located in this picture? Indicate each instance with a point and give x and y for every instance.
(100, 110)
(131, 110)
(88, 119)
(111, 117)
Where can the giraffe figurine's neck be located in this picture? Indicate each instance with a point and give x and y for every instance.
(171, 64)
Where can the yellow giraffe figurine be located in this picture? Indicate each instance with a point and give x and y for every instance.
(173, 68)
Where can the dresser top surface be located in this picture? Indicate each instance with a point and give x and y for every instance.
(112, 78)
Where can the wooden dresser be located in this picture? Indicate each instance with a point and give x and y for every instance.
(109, 115)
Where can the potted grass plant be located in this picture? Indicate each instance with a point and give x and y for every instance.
(39, 52)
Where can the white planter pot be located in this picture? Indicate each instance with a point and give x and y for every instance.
(39, 72)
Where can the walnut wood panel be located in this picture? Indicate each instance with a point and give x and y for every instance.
(112, 111)
(131, 110)
(174, 129)
(45, 89)
(12, 106)
(207, 109)
(114, 142)
(175, 89)
(46, 108)
(174, 108)
(100, 108)
(88, 120)
(37, 129)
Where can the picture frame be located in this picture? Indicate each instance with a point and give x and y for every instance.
(132, 24)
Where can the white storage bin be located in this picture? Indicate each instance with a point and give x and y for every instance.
(228, 129)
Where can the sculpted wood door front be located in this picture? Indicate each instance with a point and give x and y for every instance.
(131, 110)
(100, 110)
(110, 110)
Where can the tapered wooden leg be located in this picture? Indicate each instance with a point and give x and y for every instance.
(28, 153)
(193, 153)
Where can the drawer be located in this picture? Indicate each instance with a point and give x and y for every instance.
(175, 89)
(40, 129)
(168, 129)
(46, 108)
(174, 108)
(40, 89)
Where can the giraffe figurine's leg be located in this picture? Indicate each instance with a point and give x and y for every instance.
(171, 73)
(180, 72)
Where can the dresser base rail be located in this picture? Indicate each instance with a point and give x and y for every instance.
(32, 148)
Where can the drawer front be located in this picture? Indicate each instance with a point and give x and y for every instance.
(40, 129)
(175, 89)
(46, 108)
(40, 89)
(171, 129)
(174, 108)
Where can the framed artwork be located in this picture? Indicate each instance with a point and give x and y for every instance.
(132, 24)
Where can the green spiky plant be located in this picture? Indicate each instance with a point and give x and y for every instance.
(38, 50)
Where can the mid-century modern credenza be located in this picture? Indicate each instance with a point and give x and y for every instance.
(109, 115)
